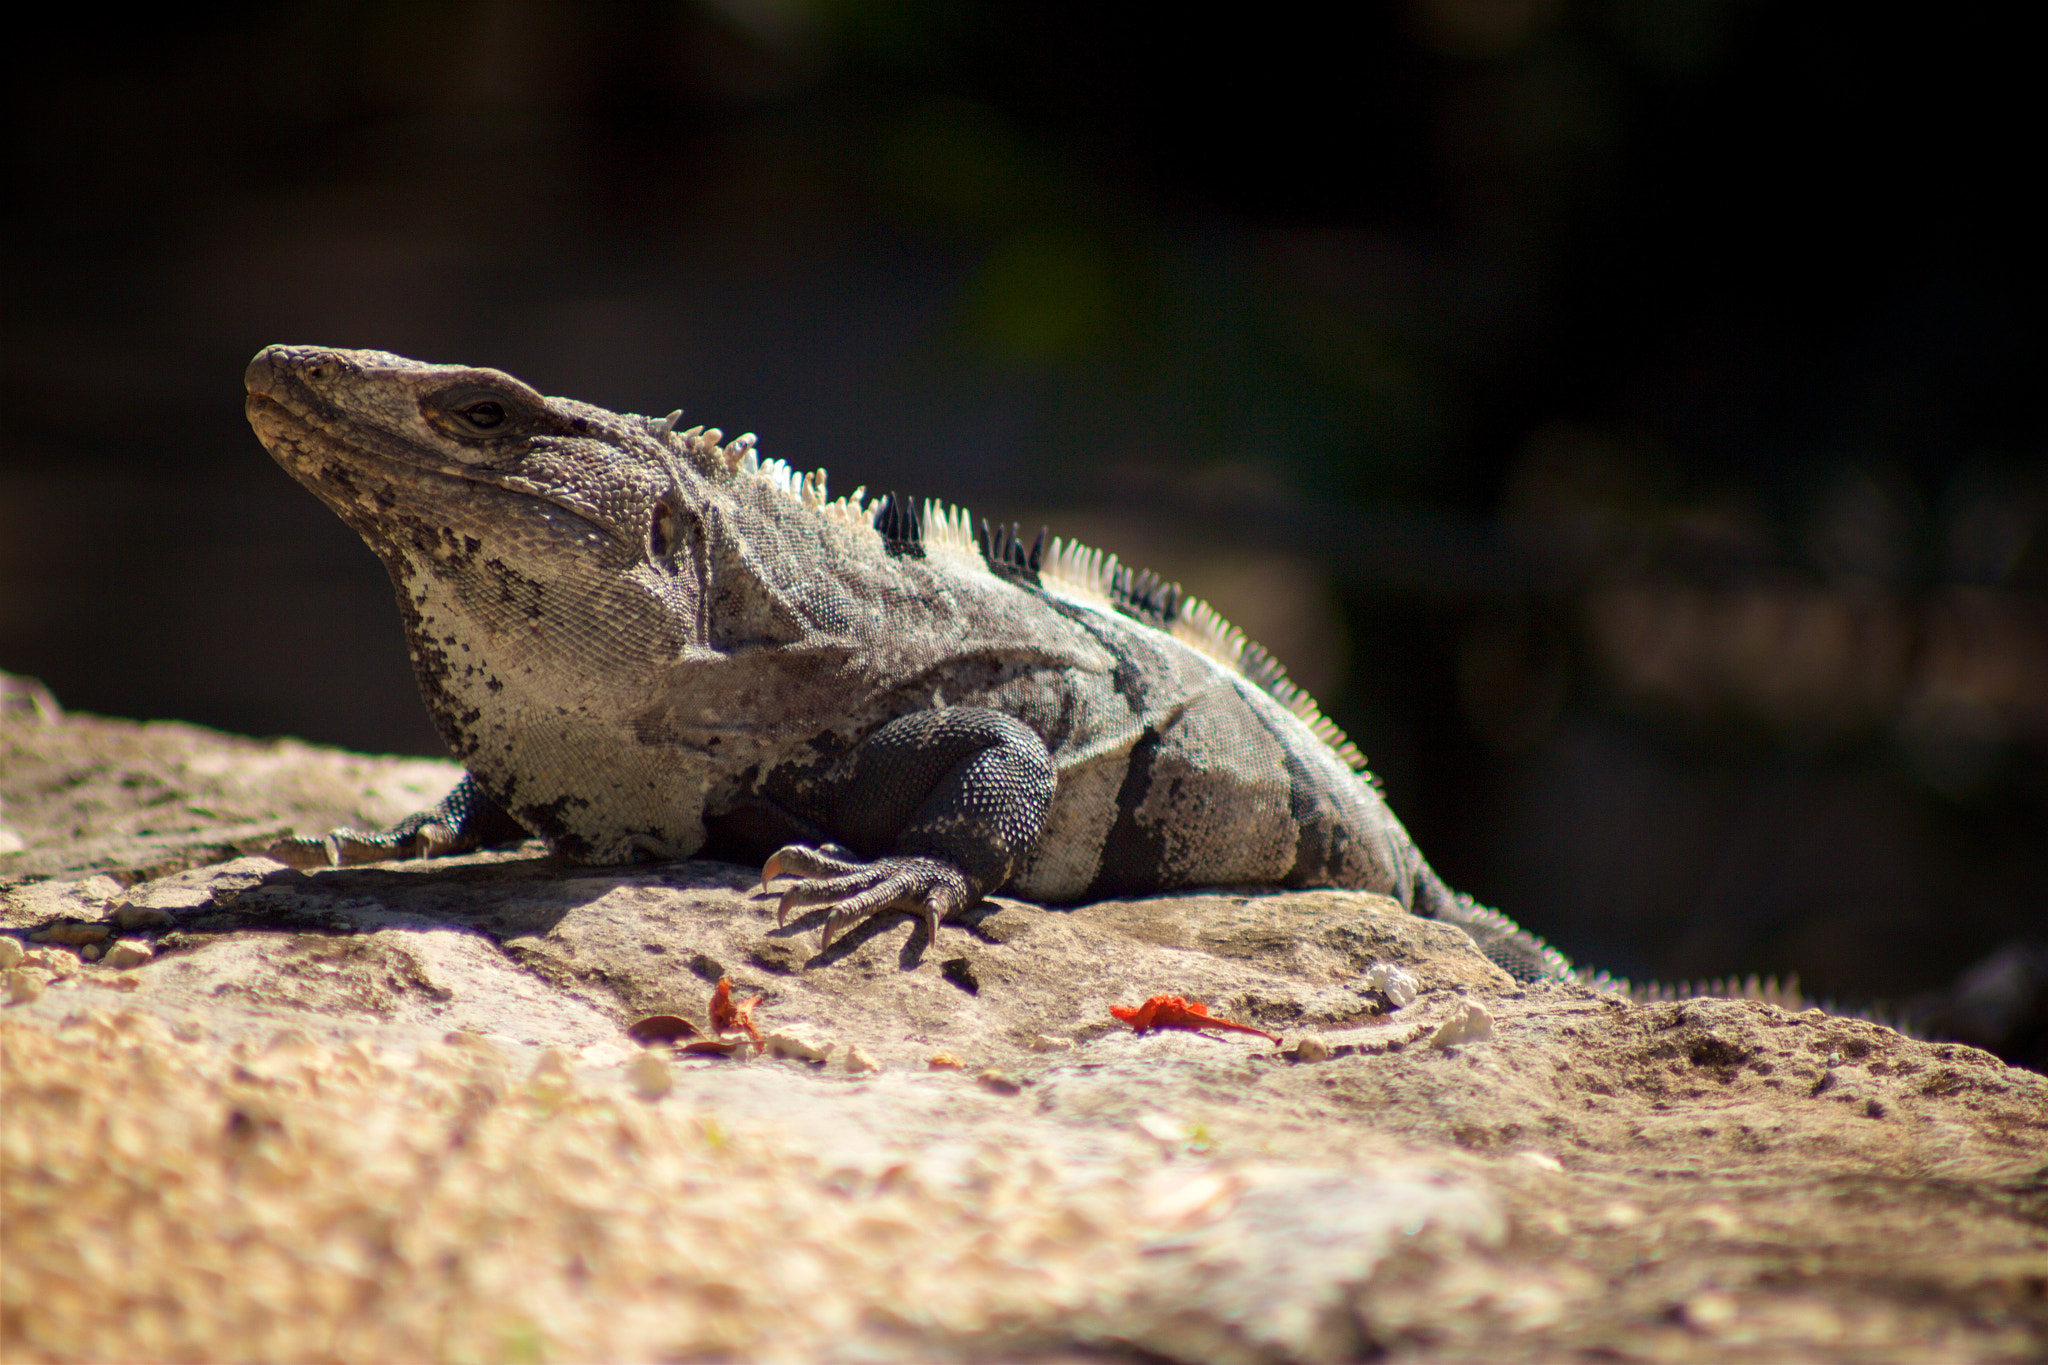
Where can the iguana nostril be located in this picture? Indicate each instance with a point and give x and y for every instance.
(261, 376)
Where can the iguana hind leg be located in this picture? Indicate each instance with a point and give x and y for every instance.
(464, 819)
(948, 801)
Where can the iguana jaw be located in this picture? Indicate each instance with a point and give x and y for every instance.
(507, 543)
(340, 429)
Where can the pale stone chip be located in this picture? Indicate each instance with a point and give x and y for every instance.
(1160, 1128)
(1397, 984)
(857, 1058)
(1312, 1049)
(650, 1076)
(11, 953)
(1471, 1024)
(23, 987)
(797, 1046)
(128, 953)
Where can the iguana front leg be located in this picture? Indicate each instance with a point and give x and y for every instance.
(463, 820)
(947, 803)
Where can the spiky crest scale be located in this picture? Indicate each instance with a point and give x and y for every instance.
(1063, 568)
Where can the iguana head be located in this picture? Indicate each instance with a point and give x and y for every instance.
(556, 539)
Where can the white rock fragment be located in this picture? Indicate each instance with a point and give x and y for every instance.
(1471, 1024)
(1542, 1161)
(1045, 1042)
(649, 1075)
(1396, 983)
(1618, 1216)
(1311, 1048)
(1176, 1195)
(128, 953)
(23, 987)
(857, 1058)
(11, 953)
(797, 1046)
(1160, 1128)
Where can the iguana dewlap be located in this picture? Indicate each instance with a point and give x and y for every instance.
(644, 642)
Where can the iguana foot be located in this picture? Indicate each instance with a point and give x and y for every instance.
(464, 819)
(929, 888)
(347, 847)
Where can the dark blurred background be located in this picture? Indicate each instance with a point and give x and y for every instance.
(1623, 414)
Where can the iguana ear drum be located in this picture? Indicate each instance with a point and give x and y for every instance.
(662, 532)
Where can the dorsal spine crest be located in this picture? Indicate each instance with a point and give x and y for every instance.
(1063, 568)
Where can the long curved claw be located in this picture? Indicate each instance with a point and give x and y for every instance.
(930, 888)
(800, 860)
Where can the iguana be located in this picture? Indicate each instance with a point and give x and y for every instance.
(648, 642)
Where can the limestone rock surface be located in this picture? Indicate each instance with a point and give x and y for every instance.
(394, 1112)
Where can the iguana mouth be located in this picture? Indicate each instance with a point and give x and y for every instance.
(306, 435)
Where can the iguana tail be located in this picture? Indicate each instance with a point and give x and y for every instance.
(1505, 943)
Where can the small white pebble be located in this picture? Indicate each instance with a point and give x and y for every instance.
(857, 1058)
(1044, 1042)
(1398, 985)
(129, 953)
(798, 1046)
(1472, 1024)
(649, 1075)
(1160, 1128)
(1619, 1216)
(1311, 1048)
(1542, 1161)
(11, 953)
(1710, 1313)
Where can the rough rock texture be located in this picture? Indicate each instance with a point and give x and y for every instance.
(393, 1112)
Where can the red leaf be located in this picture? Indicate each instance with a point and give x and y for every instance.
(1171, 1011)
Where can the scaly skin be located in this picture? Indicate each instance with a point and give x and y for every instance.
(649, 643)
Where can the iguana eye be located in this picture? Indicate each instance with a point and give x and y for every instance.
(484, 415)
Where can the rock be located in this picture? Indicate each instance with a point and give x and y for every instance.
(796, 1045)
(998, 1082)
(11, 952)
(130, 917)
(1311, 1048)
(71, 934)
(1399, 986)
(302, 1045)
(1469, 1024)
(650, 1076)
(127, 953)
